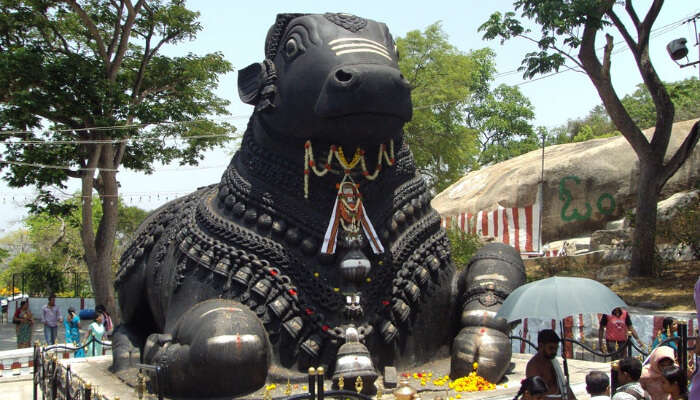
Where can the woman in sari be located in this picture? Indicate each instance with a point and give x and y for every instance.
(72, 325)
(23, 321)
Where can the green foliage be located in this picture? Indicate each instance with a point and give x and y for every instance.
(639, 105)
(442, 79)
(462, 246)
(52, 245)
(58, 71)
(684, 95)
(502, 117)
(456, 115)
(560, 24)
(42, 274)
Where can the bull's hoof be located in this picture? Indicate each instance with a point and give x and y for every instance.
(218, 348)
(484, 341)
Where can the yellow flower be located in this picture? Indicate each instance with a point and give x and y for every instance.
(475, 365)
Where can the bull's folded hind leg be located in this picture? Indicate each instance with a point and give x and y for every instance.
(217, 348)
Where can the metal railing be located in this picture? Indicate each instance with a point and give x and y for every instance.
(55, 382)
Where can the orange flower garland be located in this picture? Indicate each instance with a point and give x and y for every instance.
(337, 153)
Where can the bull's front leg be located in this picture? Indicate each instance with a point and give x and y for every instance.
(217, 348)
(493, 273)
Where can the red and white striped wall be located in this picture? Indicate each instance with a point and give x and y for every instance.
(16, 362)
(517, 226)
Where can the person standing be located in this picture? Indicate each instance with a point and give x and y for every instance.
(94, 336)
(695, 383)
(668, 330)
(23, 321)
(545, 365)
(109, 327)
(616, 327)
(628, 372)
(72, 326)
(51, 316)
(598, 385)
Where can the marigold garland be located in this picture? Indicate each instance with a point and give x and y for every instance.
(470, 383)
(337, 153)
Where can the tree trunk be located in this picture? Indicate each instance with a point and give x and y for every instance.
(644, 237)
(100, 245)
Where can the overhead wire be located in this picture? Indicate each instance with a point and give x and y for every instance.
(655, 33)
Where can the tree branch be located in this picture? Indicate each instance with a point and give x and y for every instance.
(607, 50)
(556, 48)
(94, 32)
(117, 25)
(618, 114)
(682, 154)
(124, 40)
(633, 14)
(649, 20)
(634, 46)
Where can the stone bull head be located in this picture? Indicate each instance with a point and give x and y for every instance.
(321, 77)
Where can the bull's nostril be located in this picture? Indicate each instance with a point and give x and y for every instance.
(343, 76)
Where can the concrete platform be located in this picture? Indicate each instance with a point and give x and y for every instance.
(95, 370)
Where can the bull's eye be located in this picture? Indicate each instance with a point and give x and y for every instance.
(291, 48)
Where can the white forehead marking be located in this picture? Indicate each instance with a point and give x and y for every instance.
(363, 51)
(363, 45)
(332, 42)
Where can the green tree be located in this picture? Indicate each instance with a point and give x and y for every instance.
(78, 67)
(568, 26)
(442, 79)
(456, 115)
(56, 240)
(502, 118)
(684, 95)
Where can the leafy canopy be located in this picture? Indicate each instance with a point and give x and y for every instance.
(456, 115)
(64, 66)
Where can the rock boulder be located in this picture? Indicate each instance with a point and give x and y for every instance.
(586, 184)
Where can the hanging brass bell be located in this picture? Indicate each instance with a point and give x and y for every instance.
(353, 361)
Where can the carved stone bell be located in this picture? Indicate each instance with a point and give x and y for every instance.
(353, 361)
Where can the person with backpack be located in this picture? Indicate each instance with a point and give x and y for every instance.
(628, 372)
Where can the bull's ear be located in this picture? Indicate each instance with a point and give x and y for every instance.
(250, 81)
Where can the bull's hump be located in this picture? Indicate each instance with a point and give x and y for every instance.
(349, 22)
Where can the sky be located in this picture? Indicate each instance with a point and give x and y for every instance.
(237, 29)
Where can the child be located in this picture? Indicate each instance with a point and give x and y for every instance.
(673, 383)
(532, 388)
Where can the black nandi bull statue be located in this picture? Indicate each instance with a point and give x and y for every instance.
(320, 232)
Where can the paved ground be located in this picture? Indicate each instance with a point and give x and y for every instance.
(8, 337)
(95, 370)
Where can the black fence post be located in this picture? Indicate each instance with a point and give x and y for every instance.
(319, 382)
(68, 379)
(629, 346)
(312, 382)
(683, 351)
(35, 378)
